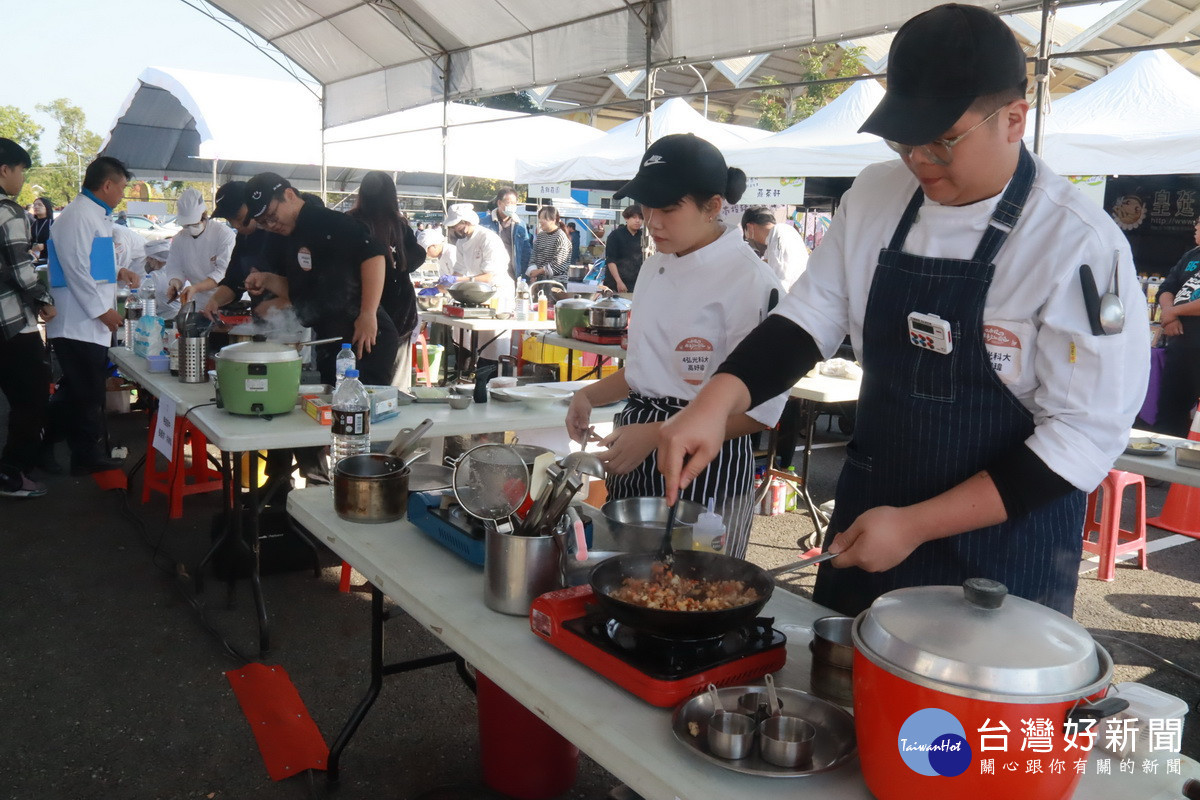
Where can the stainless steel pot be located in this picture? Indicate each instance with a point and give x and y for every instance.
(577, 272)
(611, 313)
(372, 487)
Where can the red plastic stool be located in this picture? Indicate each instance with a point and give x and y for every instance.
(172, 481)
(1112, 540)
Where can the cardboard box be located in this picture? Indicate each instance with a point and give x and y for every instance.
(319, 407)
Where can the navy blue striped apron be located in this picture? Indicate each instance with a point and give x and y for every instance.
(927, 421)
(729, 478)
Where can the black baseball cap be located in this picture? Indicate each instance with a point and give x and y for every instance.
(676, 166)
(940, 61)
(230, 198)
(259, 191)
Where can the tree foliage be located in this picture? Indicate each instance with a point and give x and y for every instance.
(779, 108)
(76, 148)
(15, 124)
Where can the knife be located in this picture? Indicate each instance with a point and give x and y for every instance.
(1091, 299)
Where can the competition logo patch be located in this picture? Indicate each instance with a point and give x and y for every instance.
(693, 355)
(304, 258)
(933, 742)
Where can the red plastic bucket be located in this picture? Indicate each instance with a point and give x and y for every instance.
(522, 756)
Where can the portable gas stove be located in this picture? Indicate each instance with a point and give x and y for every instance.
(663, 672)
(598, 335)
(468, 311)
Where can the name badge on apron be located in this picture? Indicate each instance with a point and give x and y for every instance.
(304, 259)
(691, 359)
(1004, 348)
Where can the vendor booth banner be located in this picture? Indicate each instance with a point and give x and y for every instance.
(774, 191)
(1157, 213)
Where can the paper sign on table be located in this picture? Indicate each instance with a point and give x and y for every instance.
(164, 430)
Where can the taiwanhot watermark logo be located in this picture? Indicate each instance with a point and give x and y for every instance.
(933, 742)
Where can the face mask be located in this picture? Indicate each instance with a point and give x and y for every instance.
(195, 229)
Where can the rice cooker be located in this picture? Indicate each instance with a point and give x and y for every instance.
(257, 378)
(570, 314)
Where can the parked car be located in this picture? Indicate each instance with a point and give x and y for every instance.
(148, 229)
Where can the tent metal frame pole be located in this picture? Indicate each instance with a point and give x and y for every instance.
(214, 179)
(648, 103)
(445, 133)
(1041, 75)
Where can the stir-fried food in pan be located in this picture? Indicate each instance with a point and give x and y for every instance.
(670, 592)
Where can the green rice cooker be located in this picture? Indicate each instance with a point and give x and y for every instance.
(570, 314)
(257, 378)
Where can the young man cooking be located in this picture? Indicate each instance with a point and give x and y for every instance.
(199, 253)
(973, 452)
(334, 273)
(479, 256)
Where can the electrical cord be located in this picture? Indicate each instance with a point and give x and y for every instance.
(1182, 670)
(174, 568)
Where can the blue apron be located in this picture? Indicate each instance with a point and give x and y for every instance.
(928, 421)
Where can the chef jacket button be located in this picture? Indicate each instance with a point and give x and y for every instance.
(661, 270)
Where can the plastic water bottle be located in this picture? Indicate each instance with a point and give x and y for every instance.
(708, 531)
(351, 419)
(521, 312)
(148, 291)
(133, 312)
(345, 361)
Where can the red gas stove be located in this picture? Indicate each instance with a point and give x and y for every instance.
(465, 311)
(598, 335)
(663, 672)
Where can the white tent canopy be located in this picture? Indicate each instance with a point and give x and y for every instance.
(616, 155)
(378, 57)
(1140, 119)
(175, 122)
(827, 144)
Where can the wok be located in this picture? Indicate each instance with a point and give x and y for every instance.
(472, 292)
(608, 575)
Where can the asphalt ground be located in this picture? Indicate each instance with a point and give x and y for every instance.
(111, 666)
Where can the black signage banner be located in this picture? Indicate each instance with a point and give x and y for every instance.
(1157, 214)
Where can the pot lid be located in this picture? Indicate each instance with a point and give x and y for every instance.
(617, 303)
(258, 352)
(978, 638)
(580, 303)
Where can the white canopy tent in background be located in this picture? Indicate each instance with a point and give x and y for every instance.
(373, 58)
(176, 122)
(826, 145)
(1140, 119)
(616, 155)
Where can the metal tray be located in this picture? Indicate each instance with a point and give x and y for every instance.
(1145, 446)
(834, 746)
(1187, 455)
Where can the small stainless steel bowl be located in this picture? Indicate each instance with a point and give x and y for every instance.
(786, 741)
(832, 642)
(459, 401)
(730, 735)
(752, 701)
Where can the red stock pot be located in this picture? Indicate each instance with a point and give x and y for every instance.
(968, 693)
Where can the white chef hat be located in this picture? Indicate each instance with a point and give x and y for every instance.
(189, 208)
(429, 237)
(461, 212)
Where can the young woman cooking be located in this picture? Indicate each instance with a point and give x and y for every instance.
(695, 299)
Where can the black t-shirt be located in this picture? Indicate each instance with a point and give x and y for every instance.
(322, 262)
(260, 251)
(625, 250)
(1183, 281)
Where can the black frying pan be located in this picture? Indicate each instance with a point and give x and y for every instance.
(608, 575)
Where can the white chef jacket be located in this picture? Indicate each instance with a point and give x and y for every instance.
(484, 251)
(192, 259)
(1083, 390)
(83, 300)
(786, 253)
(448, 260)
(689, 312)
(129, 248)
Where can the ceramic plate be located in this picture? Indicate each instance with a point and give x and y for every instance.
(834, 745)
